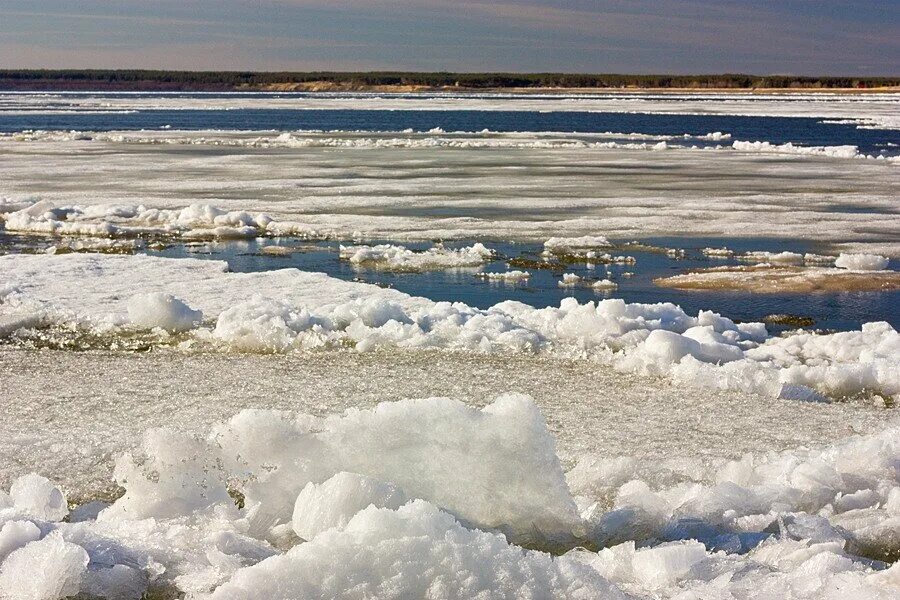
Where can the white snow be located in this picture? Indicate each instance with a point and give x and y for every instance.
(164, 311)
(861, 262)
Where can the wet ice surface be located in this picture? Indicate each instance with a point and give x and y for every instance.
(422, 193)
(73, 417)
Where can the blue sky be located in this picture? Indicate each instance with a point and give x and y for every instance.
(651, 36)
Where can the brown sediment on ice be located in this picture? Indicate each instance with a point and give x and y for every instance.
(773, 280)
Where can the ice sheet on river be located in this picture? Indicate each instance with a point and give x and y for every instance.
(506, 186)
(43, 297)
(865, 110)
(435, 498)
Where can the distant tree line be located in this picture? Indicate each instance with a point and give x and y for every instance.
(236, 80)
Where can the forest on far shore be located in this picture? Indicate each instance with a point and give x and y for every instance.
(11, 79)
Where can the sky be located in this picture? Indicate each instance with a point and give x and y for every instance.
(796, 37)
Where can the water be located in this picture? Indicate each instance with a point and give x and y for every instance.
(830, 311)
(838, 311)
(777, 130)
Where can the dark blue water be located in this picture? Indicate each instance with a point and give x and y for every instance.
(840, 311)
(777, 130)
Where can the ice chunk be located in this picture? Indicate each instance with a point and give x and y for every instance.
(417, 551)
(505, 276)
(334, 502)
(164, 311)
(401, 258)
(663, 565)
(575, 245)
(118, 582)
(862, 262)
(496, 467)
(604, 284)
(570, 279)
(49, 569)
(36, 496)
(16, 534)
(174, 477)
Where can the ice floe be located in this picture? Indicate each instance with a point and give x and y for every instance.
(514, 275)
(391, 257)
(785, 277)
(861, 262)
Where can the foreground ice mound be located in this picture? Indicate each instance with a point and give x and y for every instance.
(47, 569)
(414, 552)
(43, 298)
(431, 498)
(334, 502)
(439, 450)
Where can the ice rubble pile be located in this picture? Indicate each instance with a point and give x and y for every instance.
(433, 138)
(400, 258)
(197, 221)
(575, 245)
(505, 276)
(438, 138)
(287, 309)
(428, 498)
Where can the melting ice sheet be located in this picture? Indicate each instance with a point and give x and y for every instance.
(423, 186)
(866, 110)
